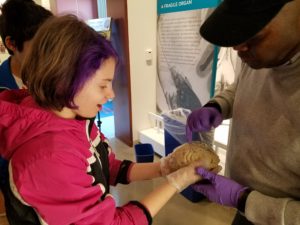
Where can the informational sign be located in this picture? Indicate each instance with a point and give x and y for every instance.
(169, 6)
(185, 59)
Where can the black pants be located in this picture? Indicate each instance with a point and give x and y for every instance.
(239, 219)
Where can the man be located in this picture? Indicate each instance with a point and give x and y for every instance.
(264, 104)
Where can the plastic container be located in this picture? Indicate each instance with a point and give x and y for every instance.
(175, 135)
(144, 153)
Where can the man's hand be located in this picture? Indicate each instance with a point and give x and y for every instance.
(219, 189)
(202, 120)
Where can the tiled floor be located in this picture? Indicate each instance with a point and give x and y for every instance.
(178, 211)
(3, 220)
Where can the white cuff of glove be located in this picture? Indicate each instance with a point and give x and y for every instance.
(182, 178)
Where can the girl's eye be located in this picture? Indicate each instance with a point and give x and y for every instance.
(103, 87)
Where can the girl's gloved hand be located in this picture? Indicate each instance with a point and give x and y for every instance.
(184, 177)
(202, 120)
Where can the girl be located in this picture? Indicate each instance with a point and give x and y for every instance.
(60, 165)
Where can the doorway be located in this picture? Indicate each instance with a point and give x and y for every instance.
(117, 10)
(107, 119)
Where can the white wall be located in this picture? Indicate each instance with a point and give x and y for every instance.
(142, 17)
(45, 4)
(38, 2)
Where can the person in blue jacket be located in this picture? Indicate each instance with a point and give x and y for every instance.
(19, 21)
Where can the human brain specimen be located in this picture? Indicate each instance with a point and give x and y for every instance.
(188, 153)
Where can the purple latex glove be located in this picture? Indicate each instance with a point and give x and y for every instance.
(202, 120)
(221, 190)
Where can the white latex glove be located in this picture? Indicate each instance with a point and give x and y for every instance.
(184, 177)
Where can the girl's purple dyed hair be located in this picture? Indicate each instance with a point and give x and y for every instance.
(65, 53)
(90, 60)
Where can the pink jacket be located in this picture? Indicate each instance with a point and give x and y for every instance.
(60, 168)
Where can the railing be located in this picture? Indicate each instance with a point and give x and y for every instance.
(156, 121)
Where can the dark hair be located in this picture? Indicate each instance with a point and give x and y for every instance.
(20, 19)
(66, 53)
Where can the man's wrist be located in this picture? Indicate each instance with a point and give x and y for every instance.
(242, 200)
(213, 104)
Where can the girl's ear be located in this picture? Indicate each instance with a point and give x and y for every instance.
(10, 43)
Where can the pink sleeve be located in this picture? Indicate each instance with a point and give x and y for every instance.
(114, 167)
(60, 190)
(119, 170)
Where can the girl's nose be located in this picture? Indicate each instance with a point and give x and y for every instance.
(111, 95)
